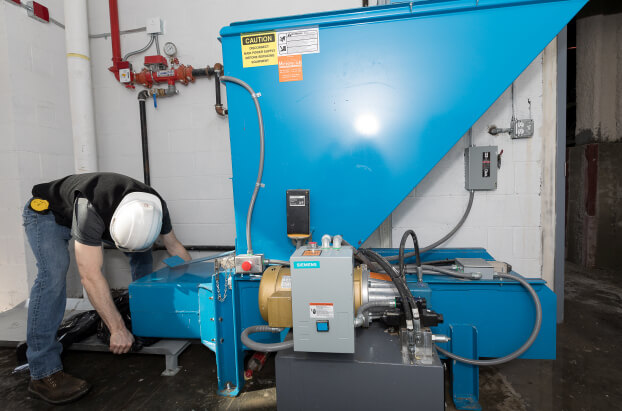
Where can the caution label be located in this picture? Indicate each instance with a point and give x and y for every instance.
(313, 253)
(303, 41)
(321, 310)
(290, 69)
(259, 49)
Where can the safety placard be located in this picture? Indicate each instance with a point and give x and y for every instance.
(290, 69)
(321, 310)
(303, 41)
(259, 49)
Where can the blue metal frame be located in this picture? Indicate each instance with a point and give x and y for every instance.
(475, 315)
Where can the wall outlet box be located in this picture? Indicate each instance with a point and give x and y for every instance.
(522, 128)
(154, 25)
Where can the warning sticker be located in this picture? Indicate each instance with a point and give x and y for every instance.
(321, 310)
(286, 281)
(312, 252)
(290, 68)
(303, 41)
(259, 49)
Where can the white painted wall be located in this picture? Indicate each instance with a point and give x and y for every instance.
(36, 132)
(189, 144)
(505, 221)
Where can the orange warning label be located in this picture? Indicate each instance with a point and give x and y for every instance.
(290, 68)
(378, 276)
(312, 252)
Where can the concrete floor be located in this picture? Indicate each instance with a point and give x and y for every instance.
(587, 374)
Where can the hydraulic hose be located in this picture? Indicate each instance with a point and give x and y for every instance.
(523, 348)
(254, 345)
(131, 53)
(405, 236)
(249, 216)
(445, 238)
(408, 301)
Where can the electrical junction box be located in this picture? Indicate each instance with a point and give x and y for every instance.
(323, 299)
(297, 206)
(480, 168)
(154, 25)
(476, 265)
(521, 128)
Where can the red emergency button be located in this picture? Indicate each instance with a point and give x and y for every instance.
(247, 265)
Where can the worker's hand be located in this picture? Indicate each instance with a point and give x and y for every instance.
(121, 341)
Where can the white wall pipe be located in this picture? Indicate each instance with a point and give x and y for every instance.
(80, 97)
(80, 87)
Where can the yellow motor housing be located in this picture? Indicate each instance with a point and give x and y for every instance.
(275, 295)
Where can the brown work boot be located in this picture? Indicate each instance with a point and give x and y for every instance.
(59, 388)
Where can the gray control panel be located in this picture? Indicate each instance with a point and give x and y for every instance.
(323, 299)
(480, 168)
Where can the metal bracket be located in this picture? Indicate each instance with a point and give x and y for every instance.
(464, 377)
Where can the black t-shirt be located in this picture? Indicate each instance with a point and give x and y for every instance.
(86, 203)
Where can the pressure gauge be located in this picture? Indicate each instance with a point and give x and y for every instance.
(170, 49)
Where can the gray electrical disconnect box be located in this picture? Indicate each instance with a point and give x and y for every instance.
(323, 299)
(480, 168)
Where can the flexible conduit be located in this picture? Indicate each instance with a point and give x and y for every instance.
(445, 238)
(132, 53)
(254, 345)
(249, 215)
(523, 348)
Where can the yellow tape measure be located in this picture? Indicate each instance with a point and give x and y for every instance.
(39, 204)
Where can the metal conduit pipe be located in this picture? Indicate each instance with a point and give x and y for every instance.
(249, 216)
(142, 98)
(254, 345)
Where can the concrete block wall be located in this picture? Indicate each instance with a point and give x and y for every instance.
(36, 133)
(506, 221)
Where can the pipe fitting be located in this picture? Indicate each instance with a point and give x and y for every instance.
(337, 241)
(220, 110)
(326, 240)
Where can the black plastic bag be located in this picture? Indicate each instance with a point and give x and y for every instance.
(122, 303)
(74, 329)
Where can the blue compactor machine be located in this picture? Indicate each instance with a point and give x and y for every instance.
(334, 118)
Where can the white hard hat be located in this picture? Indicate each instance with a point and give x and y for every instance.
(137, 221)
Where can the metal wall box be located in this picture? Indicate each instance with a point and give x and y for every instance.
(476, 265)
(322, 290)
(480, 164)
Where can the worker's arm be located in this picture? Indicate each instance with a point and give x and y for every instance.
(90, 260)
(174, 247)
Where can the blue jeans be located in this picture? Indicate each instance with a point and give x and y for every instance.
(49, 242)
